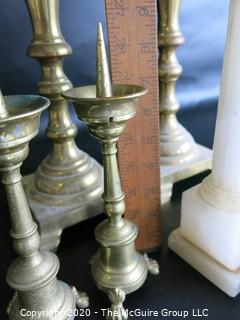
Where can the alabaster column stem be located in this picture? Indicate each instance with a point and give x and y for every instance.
(226, 155)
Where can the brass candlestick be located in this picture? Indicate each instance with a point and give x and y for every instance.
(33, 274)
(181, 157)
(117, 268)
(68, 184)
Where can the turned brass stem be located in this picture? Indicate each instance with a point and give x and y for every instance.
(177, 146)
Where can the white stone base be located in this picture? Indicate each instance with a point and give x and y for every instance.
(226, 280)
(215, 231)
(174, 173)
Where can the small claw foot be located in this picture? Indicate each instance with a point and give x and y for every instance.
(153, 266)
(11, 302)
(82, 300)
(117, 311)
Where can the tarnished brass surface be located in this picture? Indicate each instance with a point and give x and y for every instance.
(117, 268)
(68, 184)
(33, 274)
(177, 145)
(180, 156)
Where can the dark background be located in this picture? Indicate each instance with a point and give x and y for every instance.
(203, 22)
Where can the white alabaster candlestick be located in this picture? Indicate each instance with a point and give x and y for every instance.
(209, 234)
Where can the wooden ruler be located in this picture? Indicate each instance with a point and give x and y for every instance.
(132, 32)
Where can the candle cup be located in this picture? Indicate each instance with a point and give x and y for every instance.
(209, 233)
(67, 186)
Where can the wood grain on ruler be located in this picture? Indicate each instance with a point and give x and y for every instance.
(132, 32)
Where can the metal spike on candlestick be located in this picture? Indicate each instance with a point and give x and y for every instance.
(33, 274)
(181, 157)
(117, 268)
(67, 186)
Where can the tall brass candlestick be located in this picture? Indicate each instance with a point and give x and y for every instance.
(180, 156)
(117, 268)
(68, 184)
(33, 274)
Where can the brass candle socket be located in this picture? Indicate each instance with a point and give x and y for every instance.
(67, 186)
(33, 274)
(181, 157)
(117, 268)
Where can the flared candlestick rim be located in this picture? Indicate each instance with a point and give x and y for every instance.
(28, 105)
(130, 92)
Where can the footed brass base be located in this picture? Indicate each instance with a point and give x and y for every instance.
(117, 268)
(117, 283)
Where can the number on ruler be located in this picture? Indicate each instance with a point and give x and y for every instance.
(121, 45)
(146, 47)
(143, 11)
(120, 7)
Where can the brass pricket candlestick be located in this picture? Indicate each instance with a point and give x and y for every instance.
(39, 294)
(181, 157)
(117, 268)
(68, 184)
